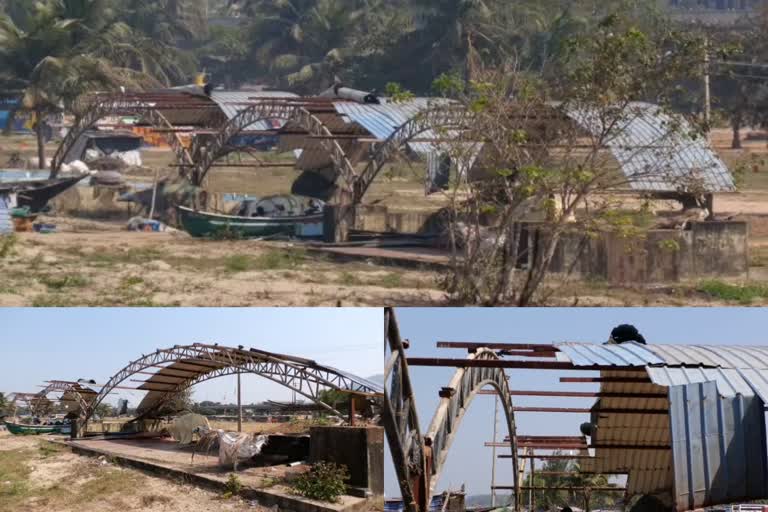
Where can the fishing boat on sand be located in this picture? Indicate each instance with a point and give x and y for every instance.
(26, 429)
(35, 194)
(273, 216)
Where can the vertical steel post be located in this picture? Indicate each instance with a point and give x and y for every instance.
(239, 406)
(493, 460)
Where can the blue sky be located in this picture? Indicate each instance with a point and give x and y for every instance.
(469, 462)
(67, 344)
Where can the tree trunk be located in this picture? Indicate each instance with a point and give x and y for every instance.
(736, 126)
(40, 139)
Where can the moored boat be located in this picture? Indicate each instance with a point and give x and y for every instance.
(288, 215)
(24, 429)
(35, 194)
(208, 224)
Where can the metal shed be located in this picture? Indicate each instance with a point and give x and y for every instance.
(702, 440)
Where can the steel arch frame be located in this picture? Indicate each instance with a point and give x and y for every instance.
(408, 446)
(401, 422)
(274, 109)
(463, 388)
(63, 387)
(305, 377)
(433, 118)
(104, 107)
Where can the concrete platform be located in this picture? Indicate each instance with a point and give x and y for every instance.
(408, 257)
(164, 457)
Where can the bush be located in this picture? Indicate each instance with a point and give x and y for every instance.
(233, 486)
(323, 482)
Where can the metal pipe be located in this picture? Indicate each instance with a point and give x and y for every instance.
(576, 394)
(239, 406)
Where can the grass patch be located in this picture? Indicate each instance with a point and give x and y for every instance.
(53, 300)
(7, 243)
(743, 294)
(129, 281)
(323, 482)
(270, 260)
(391, 280)
(59, 282)
(14, 477)
(349, 279)
(134, 256)
(47, 449)
(238, 263)
(152, 500)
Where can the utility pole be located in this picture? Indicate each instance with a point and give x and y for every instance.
(707, 97)
(239, 406)
(493, 460)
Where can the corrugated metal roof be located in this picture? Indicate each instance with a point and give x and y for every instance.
(625, 354)
(232, 102)
(656, 151)
(718, 447)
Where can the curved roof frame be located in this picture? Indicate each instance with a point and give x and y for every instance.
(304, 376)
(408, 445)
(464, 386)
(289, 111)
(103, 107)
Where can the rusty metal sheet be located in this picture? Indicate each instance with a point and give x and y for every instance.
(719, 446)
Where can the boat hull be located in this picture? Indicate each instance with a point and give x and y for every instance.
(206, 225)
(20, 429)
(35, 194)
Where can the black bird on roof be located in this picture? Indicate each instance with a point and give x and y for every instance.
(625, 332)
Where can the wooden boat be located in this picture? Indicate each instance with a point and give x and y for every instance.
(23, 429)
(36, 193)
(208, 224)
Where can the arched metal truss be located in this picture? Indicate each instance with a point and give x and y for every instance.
(306, 377)
(454, 402)
(419, 459)
(437, 119)
(288, 111)
(71, 390)
(114, 105)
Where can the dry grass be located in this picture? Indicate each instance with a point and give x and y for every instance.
(38, 477)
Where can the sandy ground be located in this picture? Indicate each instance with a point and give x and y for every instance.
(71, 480)
(93, 261)
(98, 263)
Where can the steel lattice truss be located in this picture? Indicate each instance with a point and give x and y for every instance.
(437, 119)
(307, 378)
(401, 422)
(274, 109)
(110, 106)
(71, 389)
(407, 445)
(464, 386)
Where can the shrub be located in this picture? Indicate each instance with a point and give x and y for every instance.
(233, 486)
(323, 482)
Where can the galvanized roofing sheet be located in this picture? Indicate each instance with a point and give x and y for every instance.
(232, 102)
(384, 119)
(657, 151)
(591, 354)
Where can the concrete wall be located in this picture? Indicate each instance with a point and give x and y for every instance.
(706, 250)
(361, 449)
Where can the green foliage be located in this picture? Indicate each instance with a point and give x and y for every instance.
(3, 404)
(397, 93)
(743, 294)
(323, 482)
(233, 486)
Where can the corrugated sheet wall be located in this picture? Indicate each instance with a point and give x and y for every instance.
(6, 225)
(719, 447)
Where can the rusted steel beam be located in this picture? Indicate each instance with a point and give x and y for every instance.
(575, 446)
(547, 456)
(577, 394)
(167, 369)
(621, 380)
(530, 365)
(632, 411)
(553, 409)
(540, 347)
(548, 488)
